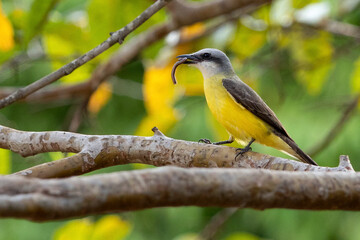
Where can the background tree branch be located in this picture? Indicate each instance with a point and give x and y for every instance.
(338, 126)
(115, 37)
(41, 200)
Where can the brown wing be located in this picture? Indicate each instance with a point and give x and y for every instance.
(250, 100)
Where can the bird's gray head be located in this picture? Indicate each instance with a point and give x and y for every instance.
(210, 62)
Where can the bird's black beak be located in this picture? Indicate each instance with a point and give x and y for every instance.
(190, 58)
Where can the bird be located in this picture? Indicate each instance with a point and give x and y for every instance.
(236, 106)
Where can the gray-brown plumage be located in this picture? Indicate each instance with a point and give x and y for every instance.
(237, 107)
(248, 98)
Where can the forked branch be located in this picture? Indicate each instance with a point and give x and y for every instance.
(99, 151)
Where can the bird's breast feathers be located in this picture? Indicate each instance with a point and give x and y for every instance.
(238, 121)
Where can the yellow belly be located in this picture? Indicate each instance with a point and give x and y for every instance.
(238, 121)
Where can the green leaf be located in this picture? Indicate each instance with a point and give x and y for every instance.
(64, 42)
(313, 56)
(247, 41)
(111, 15)
(37, 17)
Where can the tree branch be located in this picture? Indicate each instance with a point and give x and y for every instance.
(131, 49)
(99, 151)
(186, 13)
(334, 132)
(115, 37)
(340, 28)
(40, 199)
(199, 12)
(216, 222)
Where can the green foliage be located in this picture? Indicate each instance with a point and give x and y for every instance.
(305, 75)
(37, 17)
(355, 78)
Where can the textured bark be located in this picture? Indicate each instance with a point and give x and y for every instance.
(48, 199)
(95, 151)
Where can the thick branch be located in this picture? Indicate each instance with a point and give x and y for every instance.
(39, 199)
(115, 37)
(108, 150)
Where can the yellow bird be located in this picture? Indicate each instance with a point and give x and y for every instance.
(239, 108)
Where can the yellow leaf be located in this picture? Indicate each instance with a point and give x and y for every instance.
(158, 89)
(263, 13)
(193, 30)
(5, 161)
(160, 95)
(108, 227)
(242, 236)
(301, 3)
(190, 78)
(159, 92)
(99, 98)
(355, 77)
(163, 120)
(111, 227)
(6, 32)
(75, 230)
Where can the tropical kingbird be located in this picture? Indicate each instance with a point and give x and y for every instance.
(238, 107)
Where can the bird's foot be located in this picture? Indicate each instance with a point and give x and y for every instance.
(204, 140)
(241, 151)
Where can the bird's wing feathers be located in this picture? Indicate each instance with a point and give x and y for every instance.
(249, 99)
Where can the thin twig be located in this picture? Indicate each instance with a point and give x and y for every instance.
(78, 115)
(216, 222)
(115, 37)
(233, 16)
(183, 14)
(337, 128)
(125, 54)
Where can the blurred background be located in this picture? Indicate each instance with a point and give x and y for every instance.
(302, 57)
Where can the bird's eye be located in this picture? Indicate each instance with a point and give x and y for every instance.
(206, 55)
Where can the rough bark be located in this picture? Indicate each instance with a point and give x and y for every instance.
(96, 151)
(49, 199)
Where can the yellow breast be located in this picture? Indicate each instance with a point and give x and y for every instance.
(238, 121)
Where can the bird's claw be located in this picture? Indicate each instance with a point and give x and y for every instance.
(241, 151)
(204, 140)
